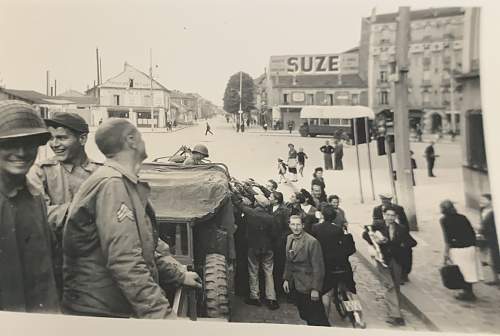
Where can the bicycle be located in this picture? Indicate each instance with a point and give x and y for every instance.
(346, 303)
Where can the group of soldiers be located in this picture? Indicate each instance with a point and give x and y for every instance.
(77, 236)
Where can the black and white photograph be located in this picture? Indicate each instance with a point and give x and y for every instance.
(302, 163)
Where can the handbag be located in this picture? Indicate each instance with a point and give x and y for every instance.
(451, 276)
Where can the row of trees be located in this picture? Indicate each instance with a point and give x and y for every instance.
(232, 94)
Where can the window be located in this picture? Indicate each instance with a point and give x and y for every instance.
(346, 122)
(310, 99)
(355, 99)
(336, 121)
(325, 122)
(330, 99)
(426, 63)
(130, 83)
(383, 76)
(116, 100)
(285, 98)
(426, 76)
(384, 97)
(426, 97)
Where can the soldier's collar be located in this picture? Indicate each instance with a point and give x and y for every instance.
(122, 170)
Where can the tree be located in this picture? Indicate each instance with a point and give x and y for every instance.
(232, 96)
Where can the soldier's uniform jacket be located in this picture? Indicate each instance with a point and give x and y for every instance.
(113, 258)
(59, 183)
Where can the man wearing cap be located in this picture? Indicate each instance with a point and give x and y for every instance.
(198, 153)
(61, 176)
(27, 281)
(260, 231)
(401, 219)
(114, 261)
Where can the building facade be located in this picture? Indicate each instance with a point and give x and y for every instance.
(474, 163)
(436, 45)
(297, 80)
(129, 95)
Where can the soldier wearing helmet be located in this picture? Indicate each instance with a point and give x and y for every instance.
(61, 176)
(198, 153)
(26, 269)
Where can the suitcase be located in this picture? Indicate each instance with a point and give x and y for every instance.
(452, 277)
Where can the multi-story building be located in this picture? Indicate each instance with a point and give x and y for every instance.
(134, 95)
(436, 43)
(474, 163)
(185, 105)
(297, 80)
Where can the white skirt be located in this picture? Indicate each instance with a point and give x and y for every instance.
(467, 261)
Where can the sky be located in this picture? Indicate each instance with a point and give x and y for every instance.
(196, 45)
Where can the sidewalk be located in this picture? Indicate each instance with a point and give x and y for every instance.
(424, 294)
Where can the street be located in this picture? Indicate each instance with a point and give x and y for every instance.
(254, 154)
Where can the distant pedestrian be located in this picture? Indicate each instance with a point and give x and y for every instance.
(301, 161)
(327, 151)
(430, 156)
(242, 127)
(282, 171)
(489, 231)
(304, 273)
(419, 133)
(290, 126)
(338, 154)
(100, 121)
(292, 162)
(413, 164)
(460, 247)
(248, 122)
(237, 127)
(265, 127)
(208, 130)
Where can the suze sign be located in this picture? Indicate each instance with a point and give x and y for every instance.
(305, 64)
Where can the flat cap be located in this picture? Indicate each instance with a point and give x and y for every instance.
(19, 119)
(385, 195)
(69, 120)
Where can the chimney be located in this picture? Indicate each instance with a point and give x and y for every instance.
(55, 87)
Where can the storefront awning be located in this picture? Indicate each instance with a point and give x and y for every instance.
(338, 111)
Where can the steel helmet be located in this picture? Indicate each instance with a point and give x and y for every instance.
(19, 119)
(202, 149)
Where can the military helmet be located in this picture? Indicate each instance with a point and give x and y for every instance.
(19, 119)
(202, 149)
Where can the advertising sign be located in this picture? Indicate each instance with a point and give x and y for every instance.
(305, 64)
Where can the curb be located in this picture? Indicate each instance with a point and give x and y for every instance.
(406, 301)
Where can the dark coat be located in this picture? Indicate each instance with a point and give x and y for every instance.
(331, 239)
(395, 248)
(260, 228)
(458, 231)
(488, 229)
(27, 281)
(400, 212)
(304, 268)
(281, 216)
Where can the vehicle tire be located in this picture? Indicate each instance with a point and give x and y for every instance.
(215, 283)
(312, 135)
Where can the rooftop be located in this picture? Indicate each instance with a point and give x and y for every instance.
(423, 14)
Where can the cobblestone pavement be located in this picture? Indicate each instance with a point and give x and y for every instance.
(371, 295)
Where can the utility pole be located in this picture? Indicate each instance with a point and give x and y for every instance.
(452, 90)
(151, 87)
(97, 62)
(401, 121)
(241, 98)
(47, 83)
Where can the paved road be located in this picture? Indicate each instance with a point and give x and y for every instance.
(371, 295)
(254, 154)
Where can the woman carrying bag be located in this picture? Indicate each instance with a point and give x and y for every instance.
(460, 248)
(292, 162)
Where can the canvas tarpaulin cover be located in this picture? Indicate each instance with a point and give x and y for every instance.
(186, 193)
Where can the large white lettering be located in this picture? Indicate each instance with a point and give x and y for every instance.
(313, 64)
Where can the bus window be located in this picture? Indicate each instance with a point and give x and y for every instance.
(336, 121)
(346, 122)
(325, 121)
